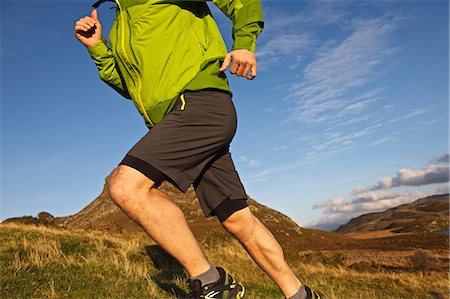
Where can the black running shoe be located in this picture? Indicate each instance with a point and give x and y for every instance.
(310, 294)
(225, 288)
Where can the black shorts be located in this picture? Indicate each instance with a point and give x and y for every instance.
(190, 146)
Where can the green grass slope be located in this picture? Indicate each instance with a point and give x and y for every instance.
(45, 262)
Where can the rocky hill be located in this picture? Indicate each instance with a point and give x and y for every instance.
(103, 214)
(430, 214)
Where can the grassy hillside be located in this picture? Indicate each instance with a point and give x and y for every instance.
(425, 215)
(40, 262)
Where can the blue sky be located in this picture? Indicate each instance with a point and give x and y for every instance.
(348, 114)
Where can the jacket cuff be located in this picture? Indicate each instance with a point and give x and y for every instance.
(99, 50)
(247, 42)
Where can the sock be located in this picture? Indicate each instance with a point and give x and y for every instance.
(301, 294)
(210, 276)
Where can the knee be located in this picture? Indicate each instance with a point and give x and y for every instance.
(118, 187)
(241, 224)
(125, 183)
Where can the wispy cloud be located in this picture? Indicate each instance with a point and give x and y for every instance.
(314, 13)
(413, 113)
(288, 37)
(286, 49)
(339, 141)
(336, 100)
(330, 84)
(249, 162)
(317, 147)
(431, 121)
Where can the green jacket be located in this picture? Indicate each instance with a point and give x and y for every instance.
(159, 47)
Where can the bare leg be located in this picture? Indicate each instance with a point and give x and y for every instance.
(263, 248)
(160, 217)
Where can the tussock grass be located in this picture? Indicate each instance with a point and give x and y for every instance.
(47, 262)
(43, 262)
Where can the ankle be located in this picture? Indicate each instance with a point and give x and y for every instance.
(207, 277)
(291, 286)
(300, 294)
(197, 268)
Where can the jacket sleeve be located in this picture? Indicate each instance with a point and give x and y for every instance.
(107, 70)
(248, 21)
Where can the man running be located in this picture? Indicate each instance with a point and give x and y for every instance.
(169, 58)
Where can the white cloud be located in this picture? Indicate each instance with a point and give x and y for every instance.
(430, 174)
(335, 201)
(339, 210)
(380, 197)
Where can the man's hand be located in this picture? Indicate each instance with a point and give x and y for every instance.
(243, 63)
(88, 30)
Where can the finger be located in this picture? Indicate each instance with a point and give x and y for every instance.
(248, 67)
(87, 26)
(94, 14)
(254, 69)
(234, 67)
(241, 69)
(83, 22)
(89, 20)
(226, 62)
(82, 27)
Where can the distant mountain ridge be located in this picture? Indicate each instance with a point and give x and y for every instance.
(426, 215)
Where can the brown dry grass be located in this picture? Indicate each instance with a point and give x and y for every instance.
(41, 262)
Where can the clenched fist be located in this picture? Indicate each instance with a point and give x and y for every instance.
(243, 63)
(88, 30)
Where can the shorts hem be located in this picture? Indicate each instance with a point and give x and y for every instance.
(228, 207)
(152, 172)
(145, 168)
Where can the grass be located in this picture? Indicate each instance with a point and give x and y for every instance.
(43, 262)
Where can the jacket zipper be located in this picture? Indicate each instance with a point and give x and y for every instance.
(139, 99)
(183, 102)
